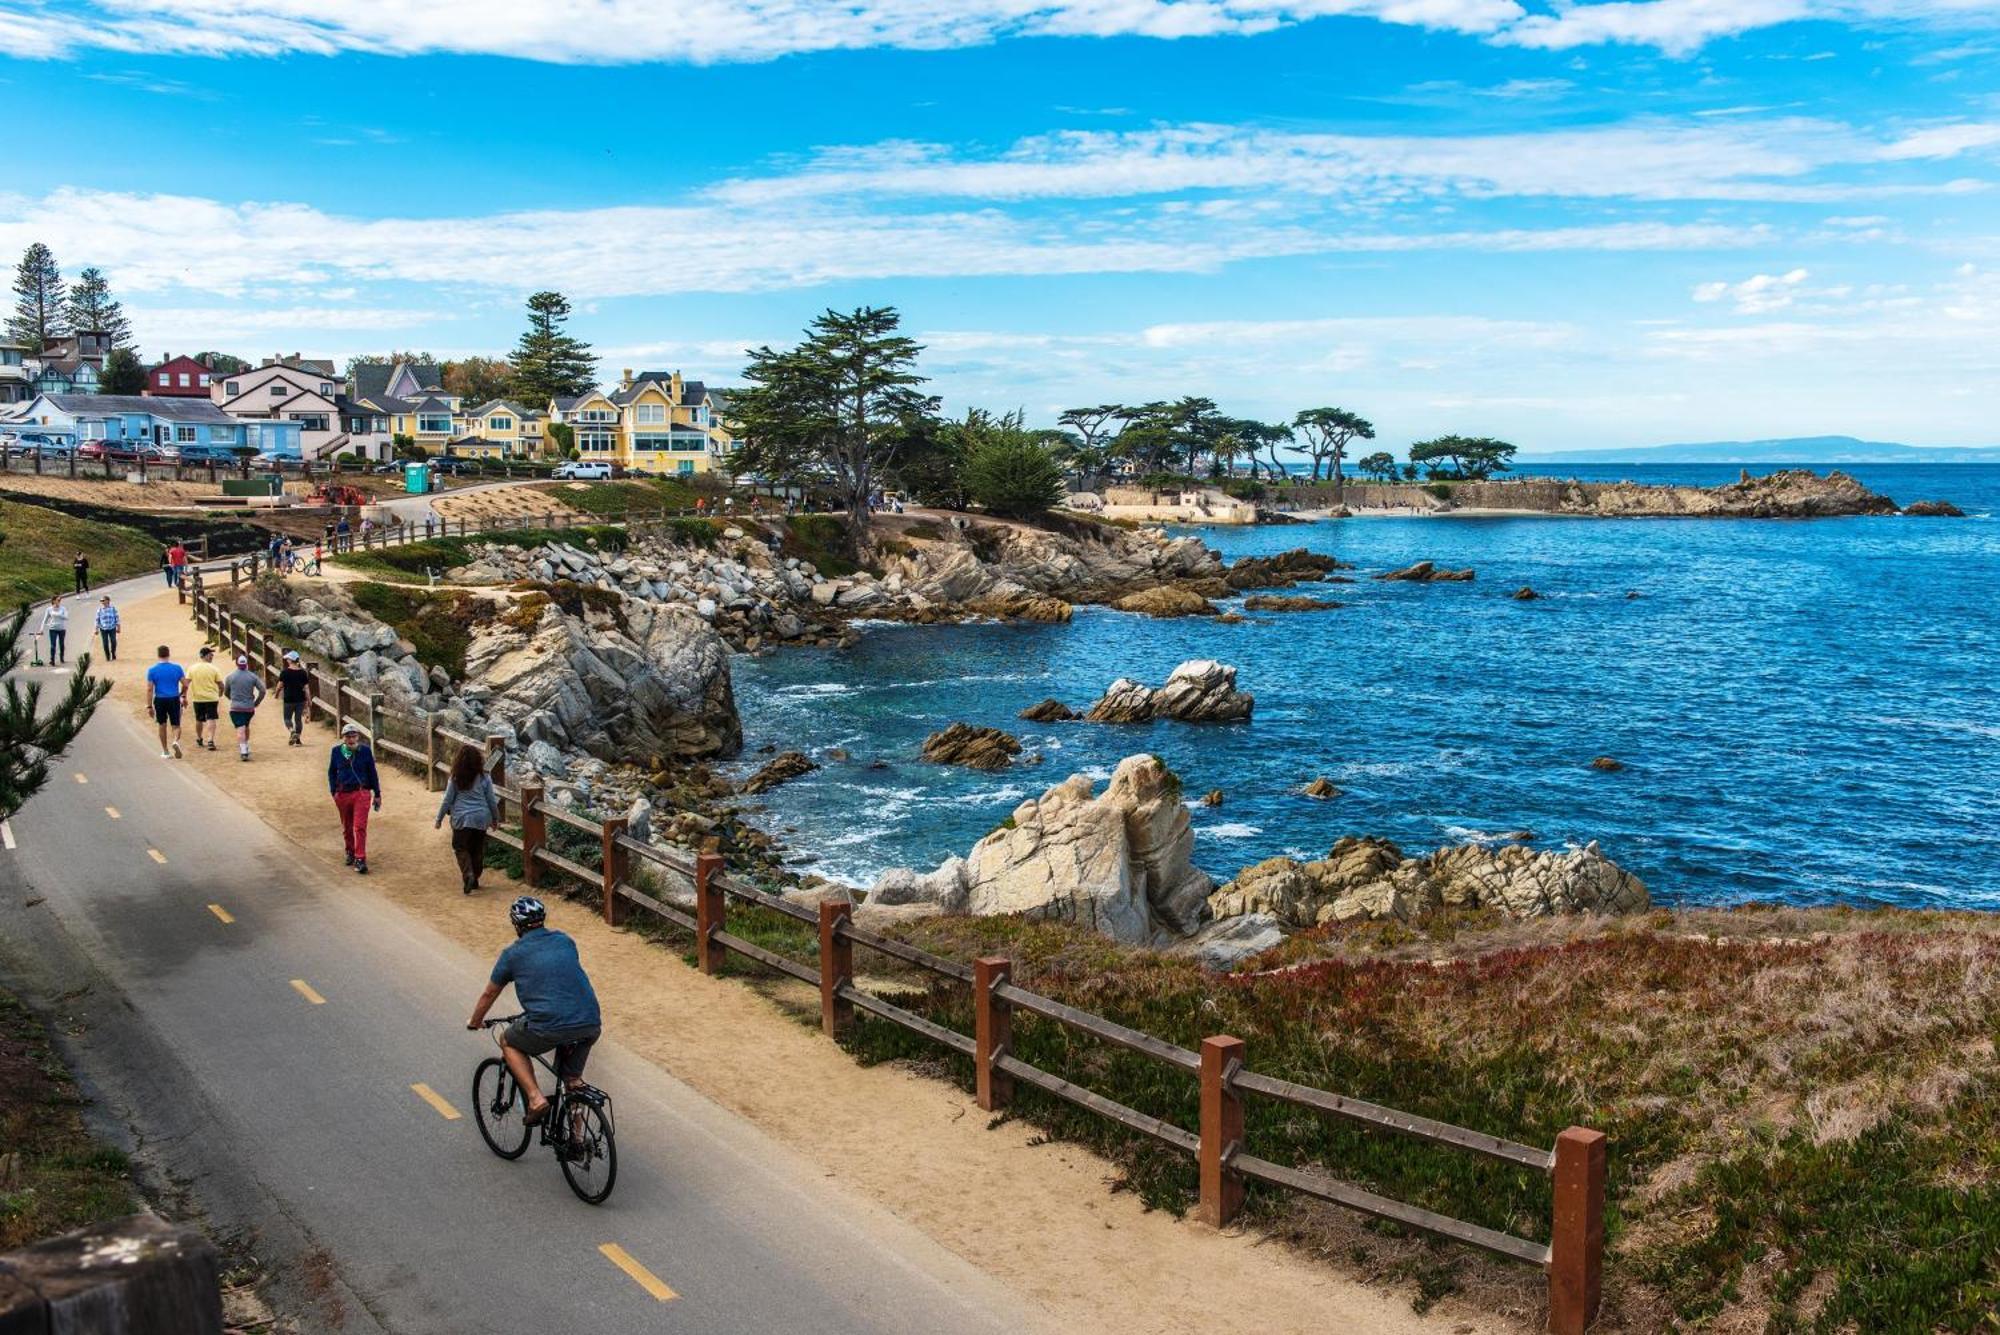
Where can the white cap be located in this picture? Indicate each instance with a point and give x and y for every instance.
(242, 660)
(291, 655)
(353, 727)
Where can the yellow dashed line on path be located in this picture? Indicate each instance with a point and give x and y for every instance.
(222, 913)
(80, 778)
(304, 989)
(641, 1276)
(111, 812)
(157, 856)
(436, 1100)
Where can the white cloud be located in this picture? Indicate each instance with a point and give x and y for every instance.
(1681, 27)
(1758, 295)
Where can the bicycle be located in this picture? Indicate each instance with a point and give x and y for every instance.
(578, 1127)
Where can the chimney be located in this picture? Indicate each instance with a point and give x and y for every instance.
(625, 381)
(677, 386)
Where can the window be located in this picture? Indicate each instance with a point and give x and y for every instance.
(701, 415)
(325, 390)
(279, 389)
(309, 421)
(184, 434)
(202, 380)
(594, 442)
(232, 389)
(500, 423)
(184, 379)
(436, 424)
(596, 415)
(687, 468)
(166, 378)
(652, 441)
(652, 414)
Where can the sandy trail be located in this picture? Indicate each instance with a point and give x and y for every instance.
(1040, 1219)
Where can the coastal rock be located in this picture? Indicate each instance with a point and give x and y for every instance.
(1227, 942)
(783, 768)
(1280, 571)
(1025, 607)
(973, 747)
(1048, 711)
(1933, 510)
(945, 887)
(1524, 594)
(1266, 602)
(1321, 788)
(1123, 701)
(1198, 691)
(1424, 572)
(1212, 798)
(1607, 764)
(1166, 601)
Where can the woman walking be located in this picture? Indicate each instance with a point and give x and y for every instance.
(80, 568)
(474, 809)
(55, 624)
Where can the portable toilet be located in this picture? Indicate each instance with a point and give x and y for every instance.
(416, 478)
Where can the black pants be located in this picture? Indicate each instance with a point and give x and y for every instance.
(295, 717)
(58, 645)
(469, 848)
(110, 638)
(83, 581)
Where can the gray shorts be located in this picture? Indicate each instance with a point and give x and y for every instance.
(572, 1046)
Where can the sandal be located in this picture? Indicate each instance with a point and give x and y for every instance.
(536, 1116)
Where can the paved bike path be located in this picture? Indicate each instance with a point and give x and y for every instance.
(301, 1023)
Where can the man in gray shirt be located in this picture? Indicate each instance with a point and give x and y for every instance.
(245, 690)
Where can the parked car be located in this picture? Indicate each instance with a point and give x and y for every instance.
(32, 442)
(122, 451)
(578, 470)
(208, 454)
(388, 469)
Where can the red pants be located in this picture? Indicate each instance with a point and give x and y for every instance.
(354, 819)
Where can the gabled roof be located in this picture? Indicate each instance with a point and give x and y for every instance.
(372, 381)
(109, 405)
(498, 405)
(565, 403)
(430, 405)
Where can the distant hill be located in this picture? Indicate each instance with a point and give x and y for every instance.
(1792, 450)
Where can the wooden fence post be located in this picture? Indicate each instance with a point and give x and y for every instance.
(614, 865)
(836, 968)
(534, 831)
(430, 750)
(1576, 1243)
(1221, 1130)
(710, 916)
(374, 717)
(992, 1034)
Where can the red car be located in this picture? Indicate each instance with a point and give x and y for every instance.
(123, 451)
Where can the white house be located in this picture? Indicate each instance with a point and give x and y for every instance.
(291, 392)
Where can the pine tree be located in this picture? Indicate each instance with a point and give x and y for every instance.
(32, 737)
(123, 373)
(549, 363)
(38, 299)
(92, 307)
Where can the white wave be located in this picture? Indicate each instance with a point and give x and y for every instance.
(1940, 725)
(1231, 830)
(817, 688)
(1012, 792)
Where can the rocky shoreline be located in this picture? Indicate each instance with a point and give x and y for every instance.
(1795, 493)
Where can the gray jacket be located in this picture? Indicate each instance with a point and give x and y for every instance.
(244, 688)
(477, 808)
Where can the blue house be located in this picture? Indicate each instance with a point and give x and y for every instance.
(195, 429)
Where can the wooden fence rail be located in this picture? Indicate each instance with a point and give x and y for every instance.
(1572, 1259)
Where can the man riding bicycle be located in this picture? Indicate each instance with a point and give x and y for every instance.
(559, 1007)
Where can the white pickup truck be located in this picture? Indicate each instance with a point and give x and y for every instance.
(578, 471)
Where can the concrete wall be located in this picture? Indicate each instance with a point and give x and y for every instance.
(134, 1276)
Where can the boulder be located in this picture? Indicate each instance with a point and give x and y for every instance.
(1212, 798)
(1226, 942)
(1268, 602)
(1198, 691)
(1123, 701)
(1934, 510)
(782, 768)
(1607, 764)
(945, 887)
(1424, 572)
(1025, 607)
(1524, 594)
(1048, 711)
(1321, 788)
(1280, 571)
(973, 747)
(1166, 601)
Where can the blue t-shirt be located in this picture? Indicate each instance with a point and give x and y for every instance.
(166, 678)
(554, 991)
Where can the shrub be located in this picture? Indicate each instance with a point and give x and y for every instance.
(1013, 474)
(822, 540)
(1244, 489)
(437, 625)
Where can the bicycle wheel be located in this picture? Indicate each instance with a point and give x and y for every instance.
(589, 1153)
(500, 1109)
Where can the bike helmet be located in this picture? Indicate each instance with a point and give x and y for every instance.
(527, 911)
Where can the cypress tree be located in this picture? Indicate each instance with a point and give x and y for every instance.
(92, 307)
(38, 299)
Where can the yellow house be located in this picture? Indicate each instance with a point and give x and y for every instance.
(429, 421)
(499, 429)
(654, 421)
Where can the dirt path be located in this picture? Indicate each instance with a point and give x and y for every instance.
(1039, 1218)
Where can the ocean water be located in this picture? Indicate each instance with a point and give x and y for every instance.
(1808, 711)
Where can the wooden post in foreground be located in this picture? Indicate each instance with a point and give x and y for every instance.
(615, 867)
(836, 968)
(534, 830)
(709, 913)
(1576, 1244)
(496, 761)
(1221, 1130)
(431, 753)
(992, 1034)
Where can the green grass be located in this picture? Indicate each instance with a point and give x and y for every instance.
(619, 495)
(418, 558)
(37, 545)
(61, 1179)
(438, 626)
(822, 540)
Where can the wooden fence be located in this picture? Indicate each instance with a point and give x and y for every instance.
(1572, 1258)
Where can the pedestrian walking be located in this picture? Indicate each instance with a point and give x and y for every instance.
(356, 789)
(177, 563)
(55, 625)
(81, 569)
(245, 690)
(294, 695)
(474, 809)
(343, 535)
(204, 693)
(107, 628)
(166, 687)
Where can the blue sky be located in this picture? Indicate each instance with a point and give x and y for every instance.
(1601, 223)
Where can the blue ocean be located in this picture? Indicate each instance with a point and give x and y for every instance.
(1807, 712)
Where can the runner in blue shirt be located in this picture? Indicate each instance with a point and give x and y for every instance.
(166, 687)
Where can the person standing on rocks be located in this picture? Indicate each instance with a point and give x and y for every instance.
(204, 692)
(352, 780)
(107, 627)
(474, 809)
(294, 694)
(246, 691)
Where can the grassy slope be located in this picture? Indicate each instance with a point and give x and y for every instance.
(53, 1176)
(615, 497)
(40, 543)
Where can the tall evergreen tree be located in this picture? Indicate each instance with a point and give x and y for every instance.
(549, 363)
(91, 306)
(123, 373)
(38, 299)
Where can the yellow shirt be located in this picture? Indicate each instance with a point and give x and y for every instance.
(204, 684)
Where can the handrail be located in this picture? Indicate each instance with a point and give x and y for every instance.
(1354, 1198)
(895, 1014)
(888, 945)
(1408, 1124)
(1108, 1030)
(1184, 1141)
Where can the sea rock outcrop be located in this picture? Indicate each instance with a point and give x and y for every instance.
(1198, 691)
(1933, 510)
(1269, 602)
(1048, 711)
(970, 746)
(1425, 572)
(1367, 879)
(1166, 601)
(1282, 571)
(782, 768)
(1117, 862)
